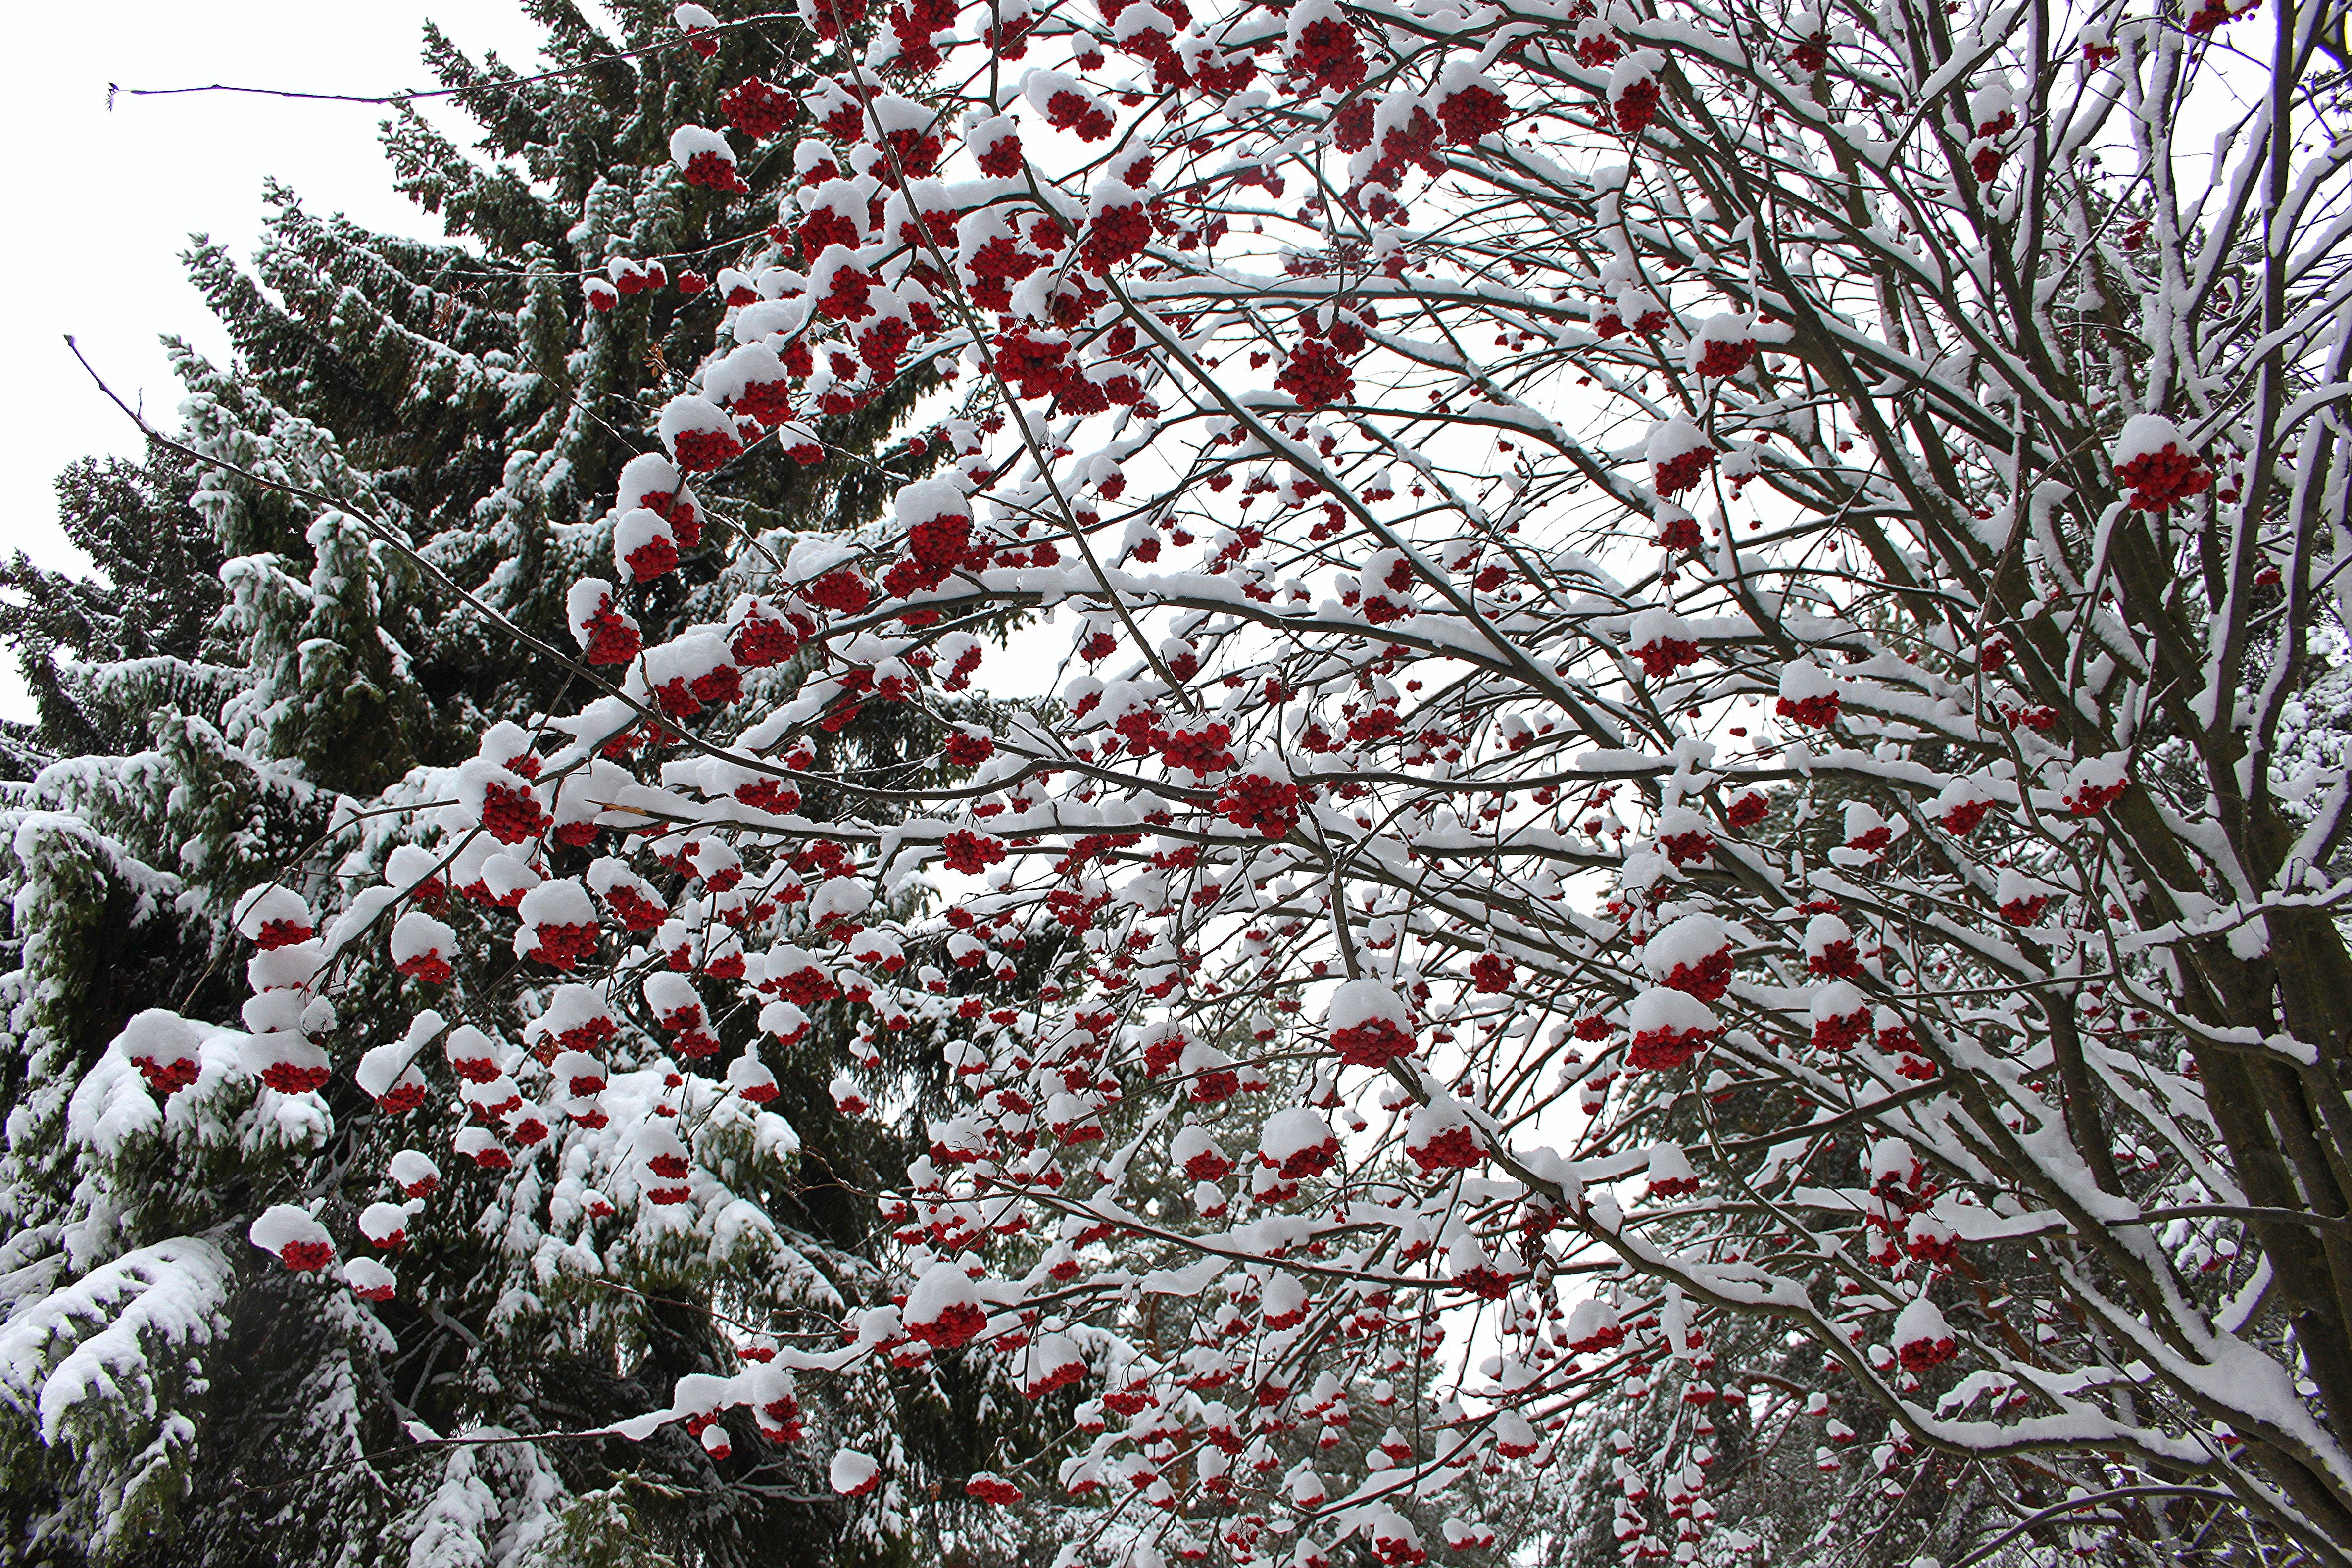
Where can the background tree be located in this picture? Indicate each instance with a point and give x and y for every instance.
(270, 681)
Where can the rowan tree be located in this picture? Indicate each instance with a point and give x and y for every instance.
(1504, 471)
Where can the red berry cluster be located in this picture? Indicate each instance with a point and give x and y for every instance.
(1687, 849)
(1270, 805)
(1328, 55)
(700, 451)
(1036, 368)
(1841, 1032)
(1871, 840)
(971, 852)
(282, 933)
(916, 23)
(166, 1079)
(1472, 114)
(718, 685)
(967, 662)
(2092, 799)
(881, 344)
(761, 641)
(1961, 820)
(1225, 75)
(995, 267)
(1678, 533)
(634, 910)
(907, 578)
(844, 592)
(833, 16)
(824, 228)
(917, 152)
(1454, 1148)
(1661, 657)
(2158, 480)
(941, 541)
(513, 816)
(1001, 159)
(1414, 143)
(685, 520)
(1725, 356)
(2212, 14)
(1201, 752)
(770, 402)
(713, 171)
(640, 278)
(2025, 911)
(302, 1257)
(1837, 961)
(1067, 111)
(612, 639)
(1636, 107)
(1114, 235)
(563, 945)
(429, 967)
(1661, 1050)
(651, 559)
(683, 699)
(294, 1078)
(1312, 1161)
(1677, 474)
(1707, 979)
(1351, 123)
(957, 1324)
(850, 296)
(1814, 712)
(783, 1423)
(1316, 376)
(587, 1036)
(768, 795)
(1492, 973)
(1374, 1043)
(758, 109)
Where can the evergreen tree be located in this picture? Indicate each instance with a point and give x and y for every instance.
(273, 682)
(147, 617)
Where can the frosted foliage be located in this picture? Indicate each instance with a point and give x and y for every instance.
(198, 1294)
(105, 1365)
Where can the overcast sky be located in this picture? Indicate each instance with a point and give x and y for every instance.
(105, 200)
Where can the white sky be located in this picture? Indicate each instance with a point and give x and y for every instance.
(106, 201)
